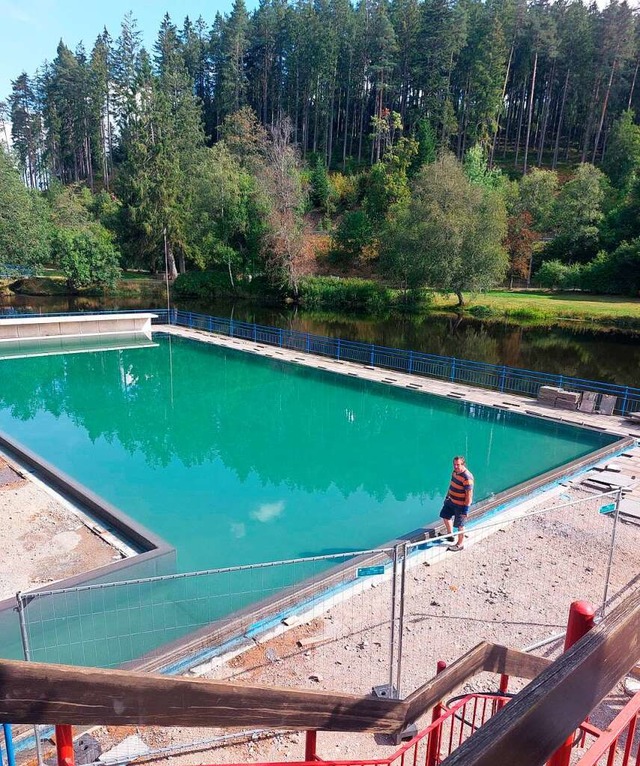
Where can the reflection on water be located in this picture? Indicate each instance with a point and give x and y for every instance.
(265, 460)
(613, 357)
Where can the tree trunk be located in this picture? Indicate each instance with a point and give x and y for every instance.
(604, 108)
(560, 119)
(504, 91)
(530, 116)
(520, 118)
(460, 298)
(545, 112)
(633, 84)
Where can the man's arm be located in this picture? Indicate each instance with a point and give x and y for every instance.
(468, 492)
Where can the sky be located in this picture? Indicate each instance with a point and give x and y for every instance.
(30, 30)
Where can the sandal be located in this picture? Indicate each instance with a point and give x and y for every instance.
(455, 548)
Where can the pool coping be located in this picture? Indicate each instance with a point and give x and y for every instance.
(189, 649)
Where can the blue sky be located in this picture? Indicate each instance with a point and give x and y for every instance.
(31, 29)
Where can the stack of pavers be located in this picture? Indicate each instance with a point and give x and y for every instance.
(558, 397)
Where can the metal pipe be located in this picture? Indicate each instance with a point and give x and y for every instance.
(403, 579)
(64, 745)
(8, 743)
(611, 551)
(392, 637)
(27, 655)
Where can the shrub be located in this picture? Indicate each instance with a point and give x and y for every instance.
(353, 235)
(86, 257)
(616, 273)
(344, 294)
(345, 189)
(559, 276)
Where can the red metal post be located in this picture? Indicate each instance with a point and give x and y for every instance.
(504, 687)
(581, 620)
(310, 746)
(433, 746)
(64, 745)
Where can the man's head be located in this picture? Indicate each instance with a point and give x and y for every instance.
(458, 463)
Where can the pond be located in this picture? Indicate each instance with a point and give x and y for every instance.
(583, 352)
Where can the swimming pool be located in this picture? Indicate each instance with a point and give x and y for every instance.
(234, 458)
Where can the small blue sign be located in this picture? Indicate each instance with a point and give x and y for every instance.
(608, 508)
(366, 571)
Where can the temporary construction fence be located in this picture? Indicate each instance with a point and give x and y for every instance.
(380, 623)
(182, 621)
(373, 612)
(500, 592)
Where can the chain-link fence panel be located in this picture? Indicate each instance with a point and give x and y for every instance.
(513, 583)
(238, 622)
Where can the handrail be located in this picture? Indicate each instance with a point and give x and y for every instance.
(498, 377)
(48, 693)
(623, 723)
(538, 720)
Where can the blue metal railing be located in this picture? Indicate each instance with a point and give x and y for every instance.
(501, 378)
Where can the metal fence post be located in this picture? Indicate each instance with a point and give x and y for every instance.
(453, 368)
(8, 743)
(623, 409)
(611, 551)
(403, 579)
(64, 744)
(338, 348)
(392, 633)
(372, 355)
(27, 655)
(410, 365)
(503, 376)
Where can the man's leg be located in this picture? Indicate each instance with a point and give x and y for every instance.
(460, 540)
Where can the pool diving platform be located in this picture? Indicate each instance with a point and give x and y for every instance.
(74, 326)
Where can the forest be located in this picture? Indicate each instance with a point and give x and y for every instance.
(422, 142)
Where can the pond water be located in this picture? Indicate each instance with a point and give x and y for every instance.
(583, 351)
(236, 459)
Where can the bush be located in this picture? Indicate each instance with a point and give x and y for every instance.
(344, 294)
(208, 285)
(353, 235)
(345, 190)
(559, 276)
(86, 257)
(616, 273)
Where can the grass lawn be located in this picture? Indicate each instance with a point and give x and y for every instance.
(537, 305)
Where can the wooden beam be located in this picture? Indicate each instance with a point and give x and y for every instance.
(538, 720)
(434, 690)
(59, 694)
(511, 662)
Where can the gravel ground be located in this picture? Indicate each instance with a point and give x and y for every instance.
(41, 539)
(512, 587)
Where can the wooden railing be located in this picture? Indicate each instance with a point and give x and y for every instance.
(526, 731)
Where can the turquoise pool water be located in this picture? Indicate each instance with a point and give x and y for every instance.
(234, 458)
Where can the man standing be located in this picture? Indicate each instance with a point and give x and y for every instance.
(456, 503)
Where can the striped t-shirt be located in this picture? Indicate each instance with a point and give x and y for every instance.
(461, 487)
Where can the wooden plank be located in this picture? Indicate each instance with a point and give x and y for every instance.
(33, 692)
(511, 662)
(434, 690)
(537, 721)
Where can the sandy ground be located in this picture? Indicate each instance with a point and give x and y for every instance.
(41, 539)
(512, 587)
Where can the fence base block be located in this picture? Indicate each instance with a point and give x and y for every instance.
(406, 734)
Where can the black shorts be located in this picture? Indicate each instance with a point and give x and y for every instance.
(456, 512)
